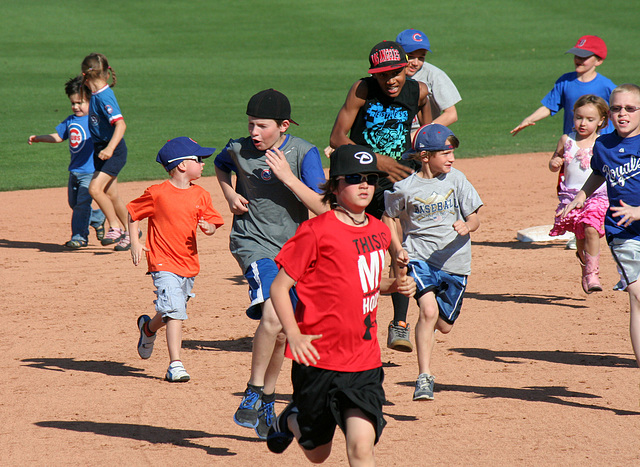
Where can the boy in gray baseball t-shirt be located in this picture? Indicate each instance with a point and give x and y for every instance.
(437, 208)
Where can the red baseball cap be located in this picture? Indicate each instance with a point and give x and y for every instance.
(589, 45)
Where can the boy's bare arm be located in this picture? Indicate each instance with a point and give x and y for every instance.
(237, 203)
(347, 115)
(280, 167)
(424, 108)
(447, 117)
(539, 114)
(52, 138)
(136, 246)
(470, 224)
(300, 344)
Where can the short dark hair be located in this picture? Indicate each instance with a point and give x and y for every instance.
(75, 86)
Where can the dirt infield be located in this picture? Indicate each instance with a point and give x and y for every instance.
(535, 372)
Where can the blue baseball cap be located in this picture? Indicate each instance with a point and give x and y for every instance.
(177, 149)
(412, 39)
(431, 137)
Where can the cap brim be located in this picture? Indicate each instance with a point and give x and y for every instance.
(373, 71)
(582, 53)
(204, 152)
(412, 48)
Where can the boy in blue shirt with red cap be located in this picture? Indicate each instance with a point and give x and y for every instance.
(589, 53)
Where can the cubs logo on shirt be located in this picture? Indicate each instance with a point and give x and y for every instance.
(77, 138)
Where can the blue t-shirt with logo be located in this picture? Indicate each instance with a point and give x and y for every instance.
(76, 130)
(104, 112)
(618, 161)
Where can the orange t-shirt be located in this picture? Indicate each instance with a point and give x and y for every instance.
(173, 222)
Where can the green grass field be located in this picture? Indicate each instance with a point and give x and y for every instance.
(188, 68)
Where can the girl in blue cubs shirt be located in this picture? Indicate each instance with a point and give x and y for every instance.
(107, 128)
(616, 162)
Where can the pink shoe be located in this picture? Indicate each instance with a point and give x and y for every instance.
(113, 236)
(591, 269)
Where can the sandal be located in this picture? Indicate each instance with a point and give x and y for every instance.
(76, 244)
(100, 231)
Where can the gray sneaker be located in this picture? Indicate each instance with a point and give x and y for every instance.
(266, 417)
(398, 337)
(247, 413)
(424, 388)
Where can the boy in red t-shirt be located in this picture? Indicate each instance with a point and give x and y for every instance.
(336, 261)
(175, 208)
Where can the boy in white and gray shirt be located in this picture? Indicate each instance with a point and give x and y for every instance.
(437, 208)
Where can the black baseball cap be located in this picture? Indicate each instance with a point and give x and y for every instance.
(270, 104)
(387, 56)
(351, 159)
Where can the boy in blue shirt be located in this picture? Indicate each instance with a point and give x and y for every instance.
(75, 128)
(616, 161)
(589, 53)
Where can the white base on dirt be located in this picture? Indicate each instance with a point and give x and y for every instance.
(540, 233)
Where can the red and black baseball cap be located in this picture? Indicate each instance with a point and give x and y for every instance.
(387, 56)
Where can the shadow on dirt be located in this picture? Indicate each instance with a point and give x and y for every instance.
(596, 359)
(534, 299)
(93, 366)
(242, 344)
(151, 434)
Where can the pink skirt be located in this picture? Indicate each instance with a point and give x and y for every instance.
(592, 214)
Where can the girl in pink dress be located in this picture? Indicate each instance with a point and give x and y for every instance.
(574, 153)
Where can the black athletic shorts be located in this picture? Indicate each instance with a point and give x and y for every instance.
(322, 396)
(115, 163)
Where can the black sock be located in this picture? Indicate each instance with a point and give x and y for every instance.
(267, 398)
(400, 307)
(257, 389)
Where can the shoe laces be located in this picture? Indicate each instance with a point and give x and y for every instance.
(268, 410)
(249, 400)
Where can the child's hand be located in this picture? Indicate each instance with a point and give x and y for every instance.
(555, 163)
(628, 213)
(524, 124)
(105, 154)
(238, 204)
(461, 227)
(136, 252)
(207, 228)
(303, 350)
(279, 166)
(577, 203)
(395, 170)
(402, 259)
(32, 139)
(406, 286)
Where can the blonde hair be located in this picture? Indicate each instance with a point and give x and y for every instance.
(599, 103)
(95, 66)
(627, 87)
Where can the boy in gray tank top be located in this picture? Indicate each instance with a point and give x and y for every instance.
(277, 183)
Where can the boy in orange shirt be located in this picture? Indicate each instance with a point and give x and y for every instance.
(175, 208)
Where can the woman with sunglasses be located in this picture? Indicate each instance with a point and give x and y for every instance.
(336, 261)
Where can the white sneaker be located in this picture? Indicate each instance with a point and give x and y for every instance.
(571, 244)
(145, 343)
(176, 373)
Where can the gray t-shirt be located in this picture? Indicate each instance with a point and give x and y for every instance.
(427, 209)
(274, 211)
(443, 93)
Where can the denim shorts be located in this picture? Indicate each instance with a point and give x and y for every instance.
(626, 253)
(448, 288)
(173, 292)
(260, 276)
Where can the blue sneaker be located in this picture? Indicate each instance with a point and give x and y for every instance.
(266, 417)
(247, 413)
(280, 436)
(145, 343)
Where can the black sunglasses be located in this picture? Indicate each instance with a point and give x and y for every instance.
(356, 179)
